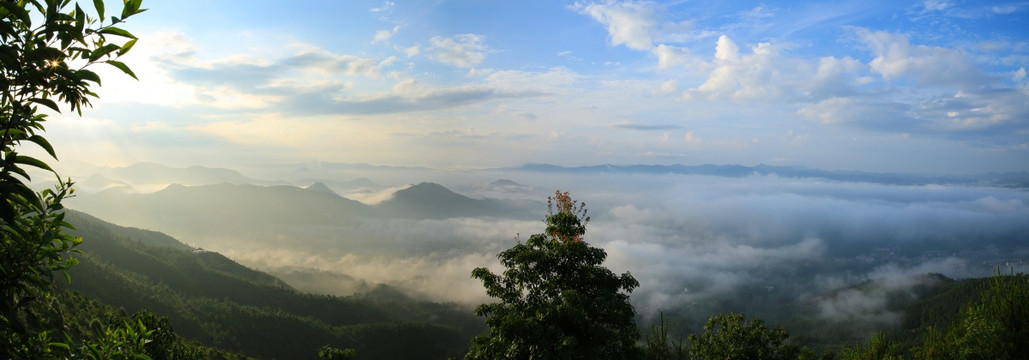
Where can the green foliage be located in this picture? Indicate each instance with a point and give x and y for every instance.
(46, 49)
(997, 327)
(879, 347)
(732, 337)
(556, 301)
(994, 324)
(659, 347)
(219, 303)
(125, 341)
(331, 353)
(31, 246)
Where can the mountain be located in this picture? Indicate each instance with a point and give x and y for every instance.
(315, 220)
(153, 173)
(228, 207)
(1017, 180)
(320, 187)
(218, 302)
(433, 201)
(359, 183)
(232, 207)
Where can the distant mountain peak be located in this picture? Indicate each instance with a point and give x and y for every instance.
(426, 191)
(428, 185)
(505, 182)
(320, 187)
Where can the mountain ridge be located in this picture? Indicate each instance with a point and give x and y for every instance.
(1019, 180)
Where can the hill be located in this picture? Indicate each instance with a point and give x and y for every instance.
(245, 218)
(433, 201)
(217, 302)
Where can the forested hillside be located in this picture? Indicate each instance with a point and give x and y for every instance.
(220, 303)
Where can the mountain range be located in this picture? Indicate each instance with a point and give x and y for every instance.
(217, 302)
(1018, 180)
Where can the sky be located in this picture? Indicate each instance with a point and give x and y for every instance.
(889, 86)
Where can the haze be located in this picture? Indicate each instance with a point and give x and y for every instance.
(321, 140)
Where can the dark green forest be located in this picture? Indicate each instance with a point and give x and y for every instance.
(217, 302)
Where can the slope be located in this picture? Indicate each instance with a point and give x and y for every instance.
(217, 302)
(434, 201)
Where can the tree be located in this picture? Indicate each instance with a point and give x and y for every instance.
(996, 327)
(732, 337)
(659, 347)
(331, 353)
(555, 300)
(47, 49)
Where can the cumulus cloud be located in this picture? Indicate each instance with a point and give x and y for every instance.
(896, 58)
(628, 23)
(948, 93)
(463, 50)
(763, 74)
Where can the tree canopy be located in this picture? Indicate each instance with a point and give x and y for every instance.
(46, 51)
(556, 300)
(731, 336)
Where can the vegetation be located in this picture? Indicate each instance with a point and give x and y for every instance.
(556, 301)
(216, 302)
(993, 324)
(46, 52)
(732, 337)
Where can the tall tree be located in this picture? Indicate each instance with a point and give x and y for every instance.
(46, 50)
(555, 300)
(732, 337)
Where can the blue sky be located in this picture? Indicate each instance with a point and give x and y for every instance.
(932, 86)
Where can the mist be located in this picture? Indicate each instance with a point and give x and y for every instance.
(696, 243)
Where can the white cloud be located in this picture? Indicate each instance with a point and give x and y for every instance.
(936, 5)
(726, 50)
(550, 81)
(669, 86)
(896, 58)
(386, 7)
(628, 23)
(412, 50)
(385, 35)
(835, 76)
(671, 56)
(761, 75)
(691, 138)
(156, 85)
(862, 112)
(463, 50)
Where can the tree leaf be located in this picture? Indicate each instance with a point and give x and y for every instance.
(43, 143)
(99, 5)
(117, 31)
(124, 68)
(80, 20)
(46, 102)
(88, 75)
(31, 161)
(103, 50)
(126, 47)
